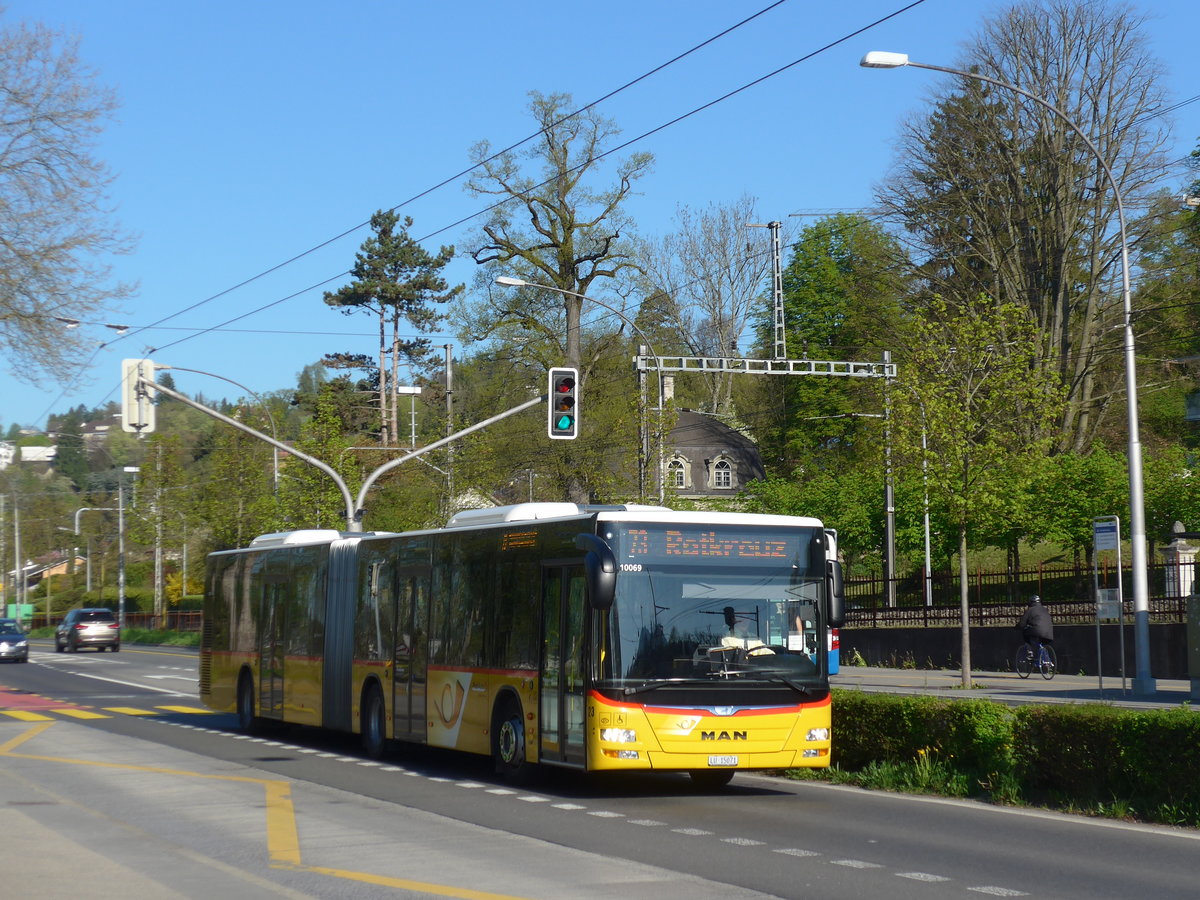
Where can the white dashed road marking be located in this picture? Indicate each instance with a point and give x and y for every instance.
(796, 852)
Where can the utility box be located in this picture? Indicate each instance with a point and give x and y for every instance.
(1193, 644)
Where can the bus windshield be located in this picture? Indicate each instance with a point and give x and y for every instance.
(715, 603)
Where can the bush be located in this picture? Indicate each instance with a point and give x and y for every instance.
(1115, 762)
(974, 736)
(1144, 761)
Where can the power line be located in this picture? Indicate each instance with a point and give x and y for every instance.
(533, 136)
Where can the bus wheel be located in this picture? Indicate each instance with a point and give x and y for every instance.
(711, 779)
(247, 721)
(374, 725)
(508, 741)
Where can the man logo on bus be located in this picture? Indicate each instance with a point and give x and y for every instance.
(723, 736)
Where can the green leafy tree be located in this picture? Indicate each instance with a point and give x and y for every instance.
(984, 407)
(503, 460)
(850, 502)
(1075, 489)
(1172, 492)
(237, 497)
(308, 497)
(842, 288)
(70, 460)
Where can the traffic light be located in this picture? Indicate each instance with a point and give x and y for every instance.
(137, 407)
(563, 424)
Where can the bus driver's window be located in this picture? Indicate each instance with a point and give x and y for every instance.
(802, 634)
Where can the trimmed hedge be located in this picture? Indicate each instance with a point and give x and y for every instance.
(1139, 763)
(1145, 760)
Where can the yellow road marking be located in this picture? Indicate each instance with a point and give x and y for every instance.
(130, 711)
(283, 839)
(81, 714)
(26, 716)
(191, 710)
(6, 748)
(440, 890)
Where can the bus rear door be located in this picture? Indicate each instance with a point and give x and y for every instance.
(273, 647)
(564, 608)
(412, 653)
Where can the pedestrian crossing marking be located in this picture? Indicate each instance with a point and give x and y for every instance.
(26, 716)
(46, 711)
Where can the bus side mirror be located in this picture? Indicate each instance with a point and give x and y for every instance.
(600, 567)
(837, 593)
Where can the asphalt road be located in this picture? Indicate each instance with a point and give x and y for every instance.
(114, 782)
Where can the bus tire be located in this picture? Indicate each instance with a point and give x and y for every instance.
(711, 779)
(374, 723)
(508, 741)
(247, 720)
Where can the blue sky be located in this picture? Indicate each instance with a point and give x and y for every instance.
(251, 132)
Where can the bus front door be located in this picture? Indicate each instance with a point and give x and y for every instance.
(564, 607)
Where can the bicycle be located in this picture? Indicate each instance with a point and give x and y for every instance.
(1045, 662)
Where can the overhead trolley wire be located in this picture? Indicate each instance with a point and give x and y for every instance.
(451, 179)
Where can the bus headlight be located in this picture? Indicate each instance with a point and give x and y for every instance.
(818, 734)
(618, 735)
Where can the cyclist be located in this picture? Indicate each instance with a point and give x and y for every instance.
(1036, 625)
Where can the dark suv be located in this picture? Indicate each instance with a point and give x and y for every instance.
(88, 628)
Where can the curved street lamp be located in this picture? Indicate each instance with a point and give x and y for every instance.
(509, 281)
(1143, 682)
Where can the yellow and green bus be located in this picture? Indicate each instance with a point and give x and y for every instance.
(618, 638)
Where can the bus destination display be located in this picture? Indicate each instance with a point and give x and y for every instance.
(709, 544)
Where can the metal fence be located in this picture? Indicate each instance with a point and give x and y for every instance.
(998, 598)
(173, 620)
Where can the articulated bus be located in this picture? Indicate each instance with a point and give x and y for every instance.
(612, 639)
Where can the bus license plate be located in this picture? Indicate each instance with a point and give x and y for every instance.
(722, 760)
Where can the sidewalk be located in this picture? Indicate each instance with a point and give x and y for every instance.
(1009, 688)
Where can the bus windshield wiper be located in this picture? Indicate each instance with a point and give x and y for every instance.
(796, 686)
(665, 682)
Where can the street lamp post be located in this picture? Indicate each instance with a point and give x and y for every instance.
(1143, 682)
(508, 281)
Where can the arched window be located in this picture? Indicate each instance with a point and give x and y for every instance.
(722, 474)
(677, 473)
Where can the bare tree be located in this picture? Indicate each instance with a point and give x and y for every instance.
(554, 228)
(714, 268)
(55, 230)
(1005, 200)
(557, 229)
